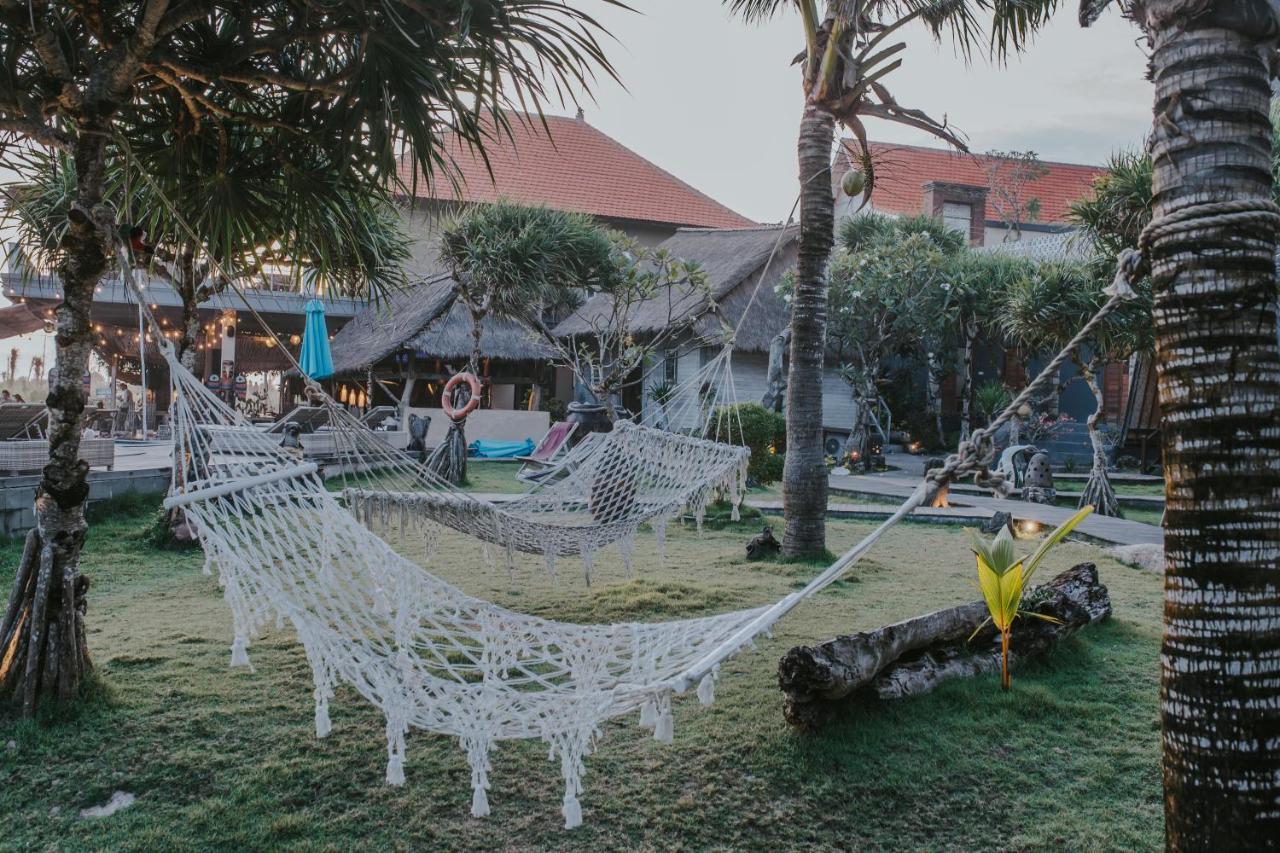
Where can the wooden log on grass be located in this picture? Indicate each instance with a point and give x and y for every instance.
(914, 656)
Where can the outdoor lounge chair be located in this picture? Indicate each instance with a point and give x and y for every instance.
(23, 448)
(26, 456)
(22, 420)
(377, 416)
(310, 418)
(554, 445)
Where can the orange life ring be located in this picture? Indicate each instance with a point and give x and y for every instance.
(446, 400)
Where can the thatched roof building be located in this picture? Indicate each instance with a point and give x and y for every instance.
(429, 320)
(450, 336)
(734, 260)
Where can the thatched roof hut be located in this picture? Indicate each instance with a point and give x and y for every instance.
(450, 337)
(734, 260)
(429, 320)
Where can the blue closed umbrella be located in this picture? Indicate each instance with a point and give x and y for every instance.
(316, 359)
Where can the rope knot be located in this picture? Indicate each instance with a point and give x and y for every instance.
(1128, 265)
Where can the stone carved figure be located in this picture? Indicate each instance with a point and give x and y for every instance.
(1037, 482)
(418, 426)
(763, 545)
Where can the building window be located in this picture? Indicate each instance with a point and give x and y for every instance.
(671, 367)
(957, 216)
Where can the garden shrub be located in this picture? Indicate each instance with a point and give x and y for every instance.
(752, 425)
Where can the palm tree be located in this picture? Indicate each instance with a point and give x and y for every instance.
(365, 81)
(847, 55)
(1218, 364)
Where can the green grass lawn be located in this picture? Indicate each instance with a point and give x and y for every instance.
(226, 759)
(493, 476)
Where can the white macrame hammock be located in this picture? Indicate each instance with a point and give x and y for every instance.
(428, 655)
(288, 549)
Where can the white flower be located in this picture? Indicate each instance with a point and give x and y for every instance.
(857, 294)
(946, 286)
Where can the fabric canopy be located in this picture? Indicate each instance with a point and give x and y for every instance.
(18, 320)
(316, 359)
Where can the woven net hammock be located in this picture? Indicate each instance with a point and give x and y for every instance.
(288, 549)
(427, 655)
(636, 474)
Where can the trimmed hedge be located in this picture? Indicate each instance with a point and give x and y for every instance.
(752, 425)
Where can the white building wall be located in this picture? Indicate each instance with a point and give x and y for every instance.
(750, 381)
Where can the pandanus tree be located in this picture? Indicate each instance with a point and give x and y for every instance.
(224, 202)
(1211, 247)
(369, 81)
(524, 263)
(850, 49)
(1044, 308)
(528, 263)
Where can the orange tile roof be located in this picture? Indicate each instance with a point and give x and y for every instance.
(903, 170)
(580, 169)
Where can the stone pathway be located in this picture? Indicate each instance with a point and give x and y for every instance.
(1111, 531)
(1143, 501)
(879, 512)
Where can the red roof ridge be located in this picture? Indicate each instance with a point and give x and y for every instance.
(610, 180)
(903, 170)
(624, 149)
(978, 155)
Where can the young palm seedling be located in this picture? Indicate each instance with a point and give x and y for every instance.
(1003, 578)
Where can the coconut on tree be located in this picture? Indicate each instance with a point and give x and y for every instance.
(368, 83)
(851, 47)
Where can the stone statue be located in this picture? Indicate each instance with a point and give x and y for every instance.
(1037, 482)
(763, 545)
(940, 500)
(418, 427)
(291, 437)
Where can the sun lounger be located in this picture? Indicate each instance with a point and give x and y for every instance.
(553, 446)
(22, 420)
(29, 455)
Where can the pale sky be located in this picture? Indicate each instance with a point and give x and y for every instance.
(716, 102)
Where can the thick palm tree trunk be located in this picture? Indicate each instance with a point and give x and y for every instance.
(1219, 381)
(42, 638)
(804, 477)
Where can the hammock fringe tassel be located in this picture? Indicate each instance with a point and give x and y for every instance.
(429, 655)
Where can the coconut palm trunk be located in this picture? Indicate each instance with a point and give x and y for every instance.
(804, 477)
(1219, 383)
(42, 638)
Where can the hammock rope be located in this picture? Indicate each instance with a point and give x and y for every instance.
(429, 656)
